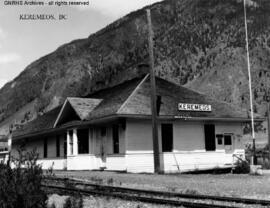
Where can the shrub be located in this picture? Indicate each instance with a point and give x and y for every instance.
(68, 203)
(241, 167)
(96, 180)
(191, 191)
(110, 181)
(21, 185)
(74, 202)
(265, 163)
(53, 206)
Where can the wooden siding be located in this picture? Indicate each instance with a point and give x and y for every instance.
(82, 162)
(116, 162)
(38, 145)
(138, 135)
(136, 152)
(140, 162)
(55, 163)
(188, 136)
(188, 147)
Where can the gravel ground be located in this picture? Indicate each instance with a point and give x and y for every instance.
(101, 202)
(223, 185)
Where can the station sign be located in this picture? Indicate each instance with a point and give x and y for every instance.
(194, 107)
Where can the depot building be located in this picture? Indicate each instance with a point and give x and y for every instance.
(111, 130)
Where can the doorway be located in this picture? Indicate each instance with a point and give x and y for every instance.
(209, 133)
(103, 153)
(167, 137)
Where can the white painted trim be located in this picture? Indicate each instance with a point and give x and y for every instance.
(134, 91)
(60, 113)
(68, 144)
(53, 158)
(139, 152)
(181, 152)
(75, 142)
(193, 151)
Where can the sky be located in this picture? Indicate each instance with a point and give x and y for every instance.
(24, 41)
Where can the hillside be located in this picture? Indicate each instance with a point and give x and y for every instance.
(198, 43)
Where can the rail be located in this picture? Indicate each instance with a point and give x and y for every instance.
(150, 196)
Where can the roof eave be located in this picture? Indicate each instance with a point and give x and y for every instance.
(65, 127)
(60, 113)
(135, 116)
(174, 117)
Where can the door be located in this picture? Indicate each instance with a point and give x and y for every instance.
(210, 140)
(103, 152)
(167, 137)
(229, 143)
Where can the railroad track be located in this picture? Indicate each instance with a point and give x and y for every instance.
(149, 196)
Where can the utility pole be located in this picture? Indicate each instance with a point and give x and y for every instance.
(268, 119)
(250, 89)
(153, 96)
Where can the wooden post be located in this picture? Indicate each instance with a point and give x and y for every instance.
(153, 96)
(68, 144)
(9, 145)
(268, 119)
(75, 142)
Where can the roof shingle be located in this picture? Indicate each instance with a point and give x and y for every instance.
(83, 106)
(172, 94)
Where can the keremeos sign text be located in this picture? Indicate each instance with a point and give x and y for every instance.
(194, 107)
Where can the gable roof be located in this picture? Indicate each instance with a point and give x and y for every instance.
(111, 99)
(114, 98)
(80, 106)
(131, 99)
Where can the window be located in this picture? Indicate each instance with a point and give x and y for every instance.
(210, 142)
(83, 141)
(227, 139)
(167, 137)
(103, 131)
(115, 135)
(57, 146)
(70, 133)
(45, 148)
(219, 139)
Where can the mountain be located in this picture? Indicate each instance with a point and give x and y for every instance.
(198, 43)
